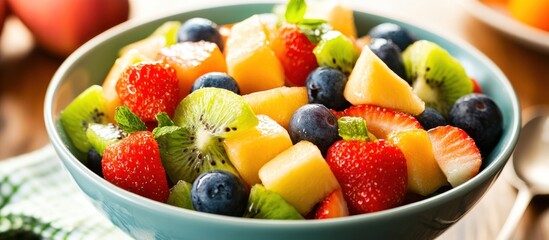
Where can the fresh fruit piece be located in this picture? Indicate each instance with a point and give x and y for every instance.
(337, 51)
(397, 34)
(250, 150)
(101, 135)
(437, 78)
(265, 204)
(333, 206)
(94, 162)
(314, 123)
(278, 103)
(219, 192)
(533, 13)
(295, 52)
(131, 57)
(382, 121)
(373, 82)
(480, 117)
(218, 80)
(456, 154)
(357, 164)
(134, 164)
(225, 32)
(165, 35)
(180, 195)
(325, 86)
(424, 174)
(476, 86)
(203, 119)
(62, 26)
(200, 29)
(148, 89)
(192, 60)
(88, 107)
(338, 16)
(430, 118)
(248, 45)
(300, 175)
(390, 54)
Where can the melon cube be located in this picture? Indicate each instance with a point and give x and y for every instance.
(278, 103)
(300, 175)
(250, 60)
(249, 151)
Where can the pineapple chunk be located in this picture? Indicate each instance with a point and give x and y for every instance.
(300, 175)
(424, 174)
(250, 150)
(373, 82)
(250, 60)
(279, 103)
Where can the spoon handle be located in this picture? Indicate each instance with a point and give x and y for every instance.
(521, 203)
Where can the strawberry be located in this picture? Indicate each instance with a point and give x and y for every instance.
(134, 164)
(476, 86)
(372, 174)
(148, 89)
(456, 153)
(295, 52)
(332, 206)
(381, 121)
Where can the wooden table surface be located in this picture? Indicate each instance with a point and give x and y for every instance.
(25, 71)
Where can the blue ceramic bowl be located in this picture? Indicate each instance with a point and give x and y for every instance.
(136, 215)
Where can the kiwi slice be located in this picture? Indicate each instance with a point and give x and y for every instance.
(88, 107)
(337, 51)
(266, 204)
(202, 120)
(437, 78)
(101, 135)
(180, 195)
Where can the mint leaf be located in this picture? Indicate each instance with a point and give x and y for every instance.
(128, 121)
(353, 128)
(314, 29)
(164, 120)
(295, 11)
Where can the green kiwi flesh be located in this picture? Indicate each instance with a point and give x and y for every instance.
(437, 78)
(337, 51)
(180, 195)
(202, 120)
(101, 135)
(88, 107)
(266, 204)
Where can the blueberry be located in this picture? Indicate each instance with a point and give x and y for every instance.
(399, 35)
(325, 86)
(479, 116)
(314, 123)
(199, 29)
(217, 80)
(390, 54)
(219, 192)
(431, 118)
(94, 162)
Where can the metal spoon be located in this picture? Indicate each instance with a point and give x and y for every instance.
(530, 164)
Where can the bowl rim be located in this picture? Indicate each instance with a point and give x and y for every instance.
(499, 160)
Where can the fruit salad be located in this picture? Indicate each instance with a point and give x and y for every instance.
(284, 115)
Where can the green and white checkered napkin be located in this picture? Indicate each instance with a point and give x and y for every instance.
(39, 200)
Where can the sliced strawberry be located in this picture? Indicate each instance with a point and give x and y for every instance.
(381, 121)
(373, 175)
(294, 50)
(134, 164)
(148, 89)
(332, 206)
(456, 153)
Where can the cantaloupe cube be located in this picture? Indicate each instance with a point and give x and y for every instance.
(250, 60)
(300, 175)
(278, 103)
(250, 150)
